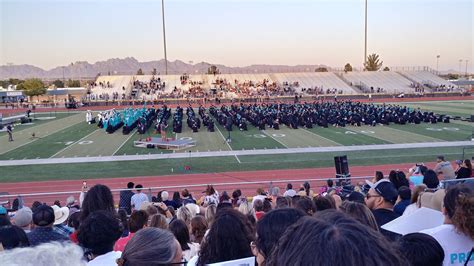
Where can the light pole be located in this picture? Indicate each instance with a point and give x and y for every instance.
(460, 61)
(466, 67)
(365, 45)
(164, 34)
(437, 64)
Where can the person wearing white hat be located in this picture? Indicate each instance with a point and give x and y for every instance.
(60, 216)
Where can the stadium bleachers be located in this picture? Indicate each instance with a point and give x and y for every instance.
(427, 78)
(116, 84)
(389, 81)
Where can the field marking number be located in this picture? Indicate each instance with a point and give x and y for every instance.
(443, 129)
(275, 135)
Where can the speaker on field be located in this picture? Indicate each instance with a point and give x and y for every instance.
(342, 165)
(342, 170)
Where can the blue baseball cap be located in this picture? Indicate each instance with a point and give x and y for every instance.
(3, 211)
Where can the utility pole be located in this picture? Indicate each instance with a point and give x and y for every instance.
(437, 64)
(365, 46)
(466, 67)
(460, 61)
(164, 34)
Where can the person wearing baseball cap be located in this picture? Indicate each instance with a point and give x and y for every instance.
(380, 199)
(4, 218)
(23, 218)
(43, 218)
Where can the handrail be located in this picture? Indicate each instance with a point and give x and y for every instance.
(271, 182)
(187, 186)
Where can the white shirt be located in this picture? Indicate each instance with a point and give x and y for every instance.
(289, 193)
(106, 259)
(456, 246)
(193, 261)
(138, 199)
(191, 252)
(410, 209)
(211, 199)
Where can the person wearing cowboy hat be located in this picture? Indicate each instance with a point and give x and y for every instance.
(60, 216)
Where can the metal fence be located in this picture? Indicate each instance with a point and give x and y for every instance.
(248, 188)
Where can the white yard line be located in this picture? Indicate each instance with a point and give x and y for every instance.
(47, 134)
(265, 132)
(123, 143)
(319, 136)
(67, 147)
(3, 152)
(237, 158)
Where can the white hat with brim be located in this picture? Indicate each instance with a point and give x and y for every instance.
(60, 214)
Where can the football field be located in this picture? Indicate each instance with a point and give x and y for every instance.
(67, 135)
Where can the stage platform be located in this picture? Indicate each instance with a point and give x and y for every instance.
(10, 119)
(169, 144)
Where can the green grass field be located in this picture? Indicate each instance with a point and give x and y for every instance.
(69, 136)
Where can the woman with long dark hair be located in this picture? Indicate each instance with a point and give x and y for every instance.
(228, 239)
(181, 232)
(98, 198)
(464, 170)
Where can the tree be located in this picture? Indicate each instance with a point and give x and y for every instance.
(15, 81)
(321, 69)
(33, 87)
(4, 83)
(140, 72)
(73, 83)
(154, 72)
(58, 83)
(20, 87)
(452, 76)
(213, 70)
(347, 68)
(373, 63)
(386, 69)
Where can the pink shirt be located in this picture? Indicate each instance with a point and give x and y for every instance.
(122, 242)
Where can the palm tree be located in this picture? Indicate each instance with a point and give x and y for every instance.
(347, 68)
(373, 63)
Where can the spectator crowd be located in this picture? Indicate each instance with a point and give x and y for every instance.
(335, 225)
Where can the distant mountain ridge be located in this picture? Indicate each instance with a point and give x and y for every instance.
(130, 66)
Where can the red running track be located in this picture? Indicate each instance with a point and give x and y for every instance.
(183, 180)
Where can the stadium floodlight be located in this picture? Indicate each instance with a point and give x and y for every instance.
(437, 64)
(365, 46)
(466, 66)
(164, 34)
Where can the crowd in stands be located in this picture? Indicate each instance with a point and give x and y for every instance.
(248, 88)
(333, 226)
(418, 87)
(443, 88)
(154, 86)
(320, 91)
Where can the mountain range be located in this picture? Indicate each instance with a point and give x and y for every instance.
(130, 66)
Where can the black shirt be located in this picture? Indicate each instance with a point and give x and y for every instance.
(383, 216)
(463, 172)
(125, 200)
